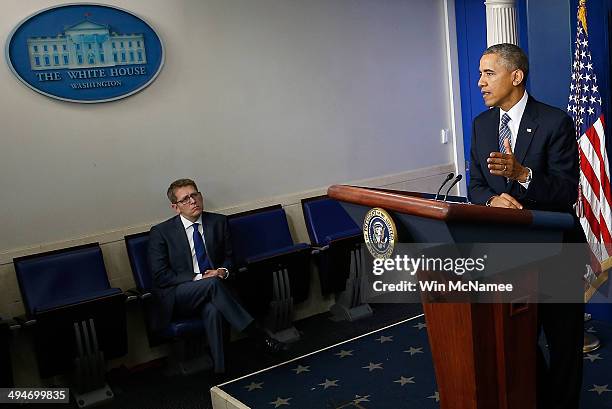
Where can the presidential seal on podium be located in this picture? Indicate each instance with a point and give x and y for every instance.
(379, 233)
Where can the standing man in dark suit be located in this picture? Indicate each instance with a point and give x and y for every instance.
(524, 155)
(190, 255)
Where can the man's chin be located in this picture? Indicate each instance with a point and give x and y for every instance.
(489, 104)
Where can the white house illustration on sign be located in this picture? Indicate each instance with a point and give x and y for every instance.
(86, 45)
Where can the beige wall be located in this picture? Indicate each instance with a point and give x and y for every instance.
(256, 99)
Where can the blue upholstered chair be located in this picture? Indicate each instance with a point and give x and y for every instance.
(273, 272)
(336, 241)
(73, 312)
(187, 353)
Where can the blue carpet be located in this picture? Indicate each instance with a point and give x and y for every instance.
(389, 368)
(597, 375)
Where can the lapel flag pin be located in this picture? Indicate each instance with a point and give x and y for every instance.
(528, 129)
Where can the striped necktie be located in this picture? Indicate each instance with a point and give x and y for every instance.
(504, 133)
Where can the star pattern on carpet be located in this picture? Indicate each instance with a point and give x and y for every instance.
(435, 396)
(329, 383)
(328, 379)
(403, 380)
(344, 353)
(371, 366)
(254, 385)
(382, 339)
(299, 369)
(280, 402)
(593, 357)
(600, 389)
(359, 399)
(413, 350)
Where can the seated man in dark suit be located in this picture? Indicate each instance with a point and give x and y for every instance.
(190, 255)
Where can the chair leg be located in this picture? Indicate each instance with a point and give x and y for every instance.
(279, 321)
(349, 305)
(188, 356)
(91, 388)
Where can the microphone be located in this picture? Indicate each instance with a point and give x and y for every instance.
(457, 179)
(448, 177)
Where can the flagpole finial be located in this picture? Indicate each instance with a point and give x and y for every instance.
(582, 14)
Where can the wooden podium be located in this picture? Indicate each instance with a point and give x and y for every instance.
(484, 354)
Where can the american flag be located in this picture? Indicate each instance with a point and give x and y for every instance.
(585, 108)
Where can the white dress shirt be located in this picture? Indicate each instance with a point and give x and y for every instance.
(188, 224)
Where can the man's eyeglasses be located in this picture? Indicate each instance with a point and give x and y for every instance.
(187, 199)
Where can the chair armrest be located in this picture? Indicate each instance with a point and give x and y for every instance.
(23, 321)
(10, 324)
(131, 295)
(318, 249)
(139, 294)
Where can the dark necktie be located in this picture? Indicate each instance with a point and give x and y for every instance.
(200, 250)
(504, 133)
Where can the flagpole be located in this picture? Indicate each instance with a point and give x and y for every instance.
(591, 342)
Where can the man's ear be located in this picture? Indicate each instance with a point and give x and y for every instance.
(517, 77)
(175, 207)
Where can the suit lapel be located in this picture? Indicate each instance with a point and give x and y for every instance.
(183, 242)
(492, 129)
(527, 130)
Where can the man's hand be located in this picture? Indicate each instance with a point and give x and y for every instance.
(506, 165)
(220, 272)
(505, 200)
